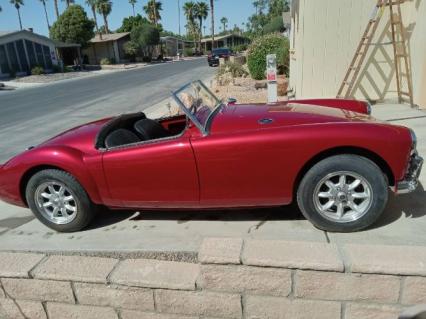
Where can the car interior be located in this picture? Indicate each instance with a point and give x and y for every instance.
(136, 128)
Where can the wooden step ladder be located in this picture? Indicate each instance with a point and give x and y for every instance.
(399, 48)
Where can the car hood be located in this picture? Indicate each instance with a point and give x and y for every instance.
(81, 137)
(259, 116)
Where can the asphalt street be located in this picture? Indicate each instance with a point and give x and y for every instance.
(29, 116)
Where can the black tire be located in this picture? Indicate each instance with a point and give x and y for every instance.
(85, 208)
(361, 166)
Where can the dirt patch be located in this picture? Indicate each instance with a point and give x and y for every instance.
(244, 90)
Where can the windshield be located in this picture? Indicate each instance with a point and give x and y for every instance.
(198, 102)
(221, 51)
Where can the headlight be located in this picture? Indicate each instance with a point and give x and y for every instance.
(413, 139)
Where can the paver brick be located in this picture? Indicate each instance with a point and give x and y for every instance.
(76, 268)
(38, 290)
(257, 307)
(61, 311)
(220, 251)
(346, 287)
(299, 255)
(132, 314)
(365, 311)
(414, 291)
(18, 264)
(156, 274)
(127, 298)
(199, 303)
(253, 280)
(394, 260)
(20, 309)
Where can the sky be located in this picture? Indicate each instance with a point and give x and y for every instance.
(32, 13)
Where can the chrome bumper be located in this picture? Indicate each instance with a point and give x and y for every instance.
(411, 181)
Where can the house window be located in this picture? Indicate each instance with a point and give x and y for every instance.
(31, 53)
(4, 64)
(39, 54)
(22, 55)
(47, 57)
(13, 57)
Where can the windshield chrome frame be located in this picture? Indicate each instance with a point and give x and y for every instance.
(204, 129)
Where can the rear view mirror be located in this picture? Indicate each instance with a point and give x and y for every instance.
(232, 101)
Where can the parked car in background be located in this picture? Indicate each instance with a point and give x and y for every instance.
(328, 155)
(214, 57)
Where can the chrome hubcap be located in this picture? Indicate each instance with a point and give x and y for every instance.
(343, 197)
(56, 202)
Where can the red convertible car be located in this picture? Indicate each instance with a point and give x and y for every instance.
(329, 155)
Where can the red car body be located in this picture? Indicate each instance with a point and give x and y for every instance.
(254, 155)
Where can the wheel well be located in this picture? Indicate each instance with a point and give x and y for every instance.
(30, 173)
(380, 162)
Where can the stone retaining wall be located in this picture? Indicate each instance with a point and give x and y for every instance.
(233, 279)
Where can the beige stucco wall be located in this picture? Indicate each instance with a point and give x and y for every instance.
(323, 40)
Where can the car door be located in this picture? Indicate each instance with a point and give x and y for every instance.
(242, 169)
(160, 173)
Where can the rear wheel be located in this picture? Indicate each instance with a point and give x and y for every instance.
(343, 193)
(59, 201)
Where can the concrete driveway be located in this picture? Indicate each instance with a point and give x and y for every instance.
(403, 222)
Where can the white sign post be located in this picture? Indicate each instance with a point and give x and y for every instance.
(271, 76)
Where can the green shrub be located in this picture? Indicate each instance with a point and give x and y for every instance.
(261, 47)
(237, 70)
(106, 61)
(37, 70)
(188, 52)
(240, 48)
(274, 25)
(56, 69)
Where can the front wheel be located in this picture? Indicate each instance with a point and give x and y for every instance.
(343, 193)
(59, 201)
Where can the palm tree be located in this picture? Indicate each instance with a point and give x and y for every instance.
(69, 2)
(224, 21)
(55, 3)
(18, 4)
(45, 12)
(189, 9)
(201, 12)
(133, 2)
(212, 17)
(104, 8)
(92, 4)
(152, 9)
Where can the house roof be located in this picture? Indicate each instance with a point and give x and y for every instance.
(221, 37)
(58, 44)
(109, 37)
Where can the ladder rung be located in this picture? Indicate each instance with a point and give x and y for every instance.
(399, 55)
(405, 93)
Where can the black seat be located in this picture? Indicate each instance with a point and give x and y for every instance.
(150, 130)
(121, 137)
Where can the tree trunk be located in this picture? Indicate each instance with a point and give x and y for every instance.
(55, 2)
(47, 17)
(96, 22)
(201, 33)
(19, 17)
(133, 10)
(212, 8)
(106, 23)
